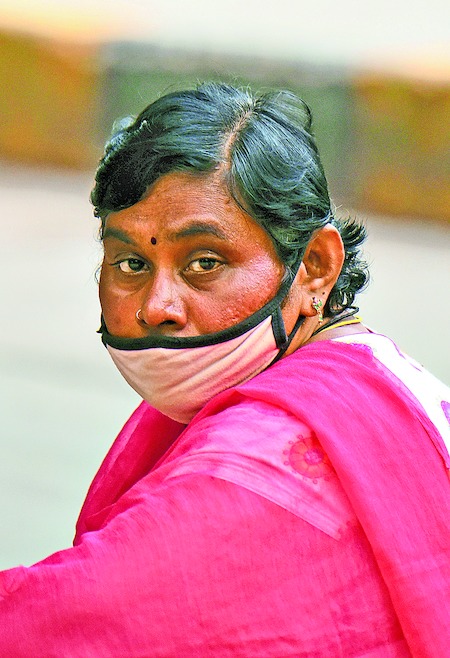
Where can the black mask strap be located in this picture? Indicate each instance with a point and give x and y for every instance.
(288, 340)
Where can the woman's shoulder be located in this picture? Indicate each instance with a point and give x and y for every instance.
(431, 393)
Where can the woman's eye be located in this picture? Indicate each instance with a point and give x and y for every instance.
(131, 265)
(204, 265)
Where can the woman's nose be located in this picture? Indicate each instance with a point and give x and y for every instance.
(162, 305)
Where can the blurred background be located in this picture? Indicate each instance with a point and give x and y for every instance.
(377, 77)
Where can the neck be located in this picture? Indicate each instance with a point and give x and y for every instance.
(344, 324)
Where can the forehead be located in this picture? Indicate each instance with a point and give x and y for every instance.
(183, 192)
(181, 205)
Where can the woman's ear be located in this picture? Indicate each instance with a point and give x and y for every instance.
(323, 260)
(320, 268)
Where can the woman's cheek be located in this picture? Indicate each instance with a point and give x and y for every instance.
(118, 308)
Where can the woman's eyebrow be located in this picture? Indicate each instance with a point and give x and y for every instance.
(111, 232)
(197, 228)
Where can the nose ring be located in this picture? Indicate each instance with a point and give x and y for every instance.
(139, 317)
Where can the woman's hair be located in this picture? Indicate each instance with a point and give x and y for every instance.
(264, 148)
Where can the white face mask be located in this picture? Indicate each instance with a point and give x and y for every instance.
(178, 376)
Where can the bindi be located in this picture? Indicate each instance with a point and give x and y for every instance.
(153, 240)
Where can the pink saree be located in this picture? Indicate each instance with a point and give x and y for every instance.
(302, 514)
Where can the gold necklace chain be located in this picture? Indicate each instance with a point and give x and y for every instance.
(356, 319)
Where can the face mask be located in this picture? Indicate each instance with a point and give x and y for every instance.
(178, 376)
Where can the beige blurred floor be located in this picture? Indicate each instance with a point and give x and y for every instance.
(61, 400)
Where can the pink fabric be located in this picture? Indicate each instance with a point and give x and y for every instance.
(300, 514)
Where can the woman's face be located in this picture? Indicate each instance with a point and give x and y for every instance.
(189, 258)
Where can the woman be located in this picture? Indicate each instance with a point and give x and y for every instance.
(282, 489)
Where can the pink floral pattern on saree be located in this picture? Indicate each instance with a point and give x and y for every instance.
(307, 457)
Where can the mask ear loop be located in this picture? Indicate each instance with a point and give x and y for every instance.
(276, 321)
(282, 340)
(279, 330)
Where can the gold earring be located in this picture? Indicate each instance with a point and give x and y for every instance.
(317, 306)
